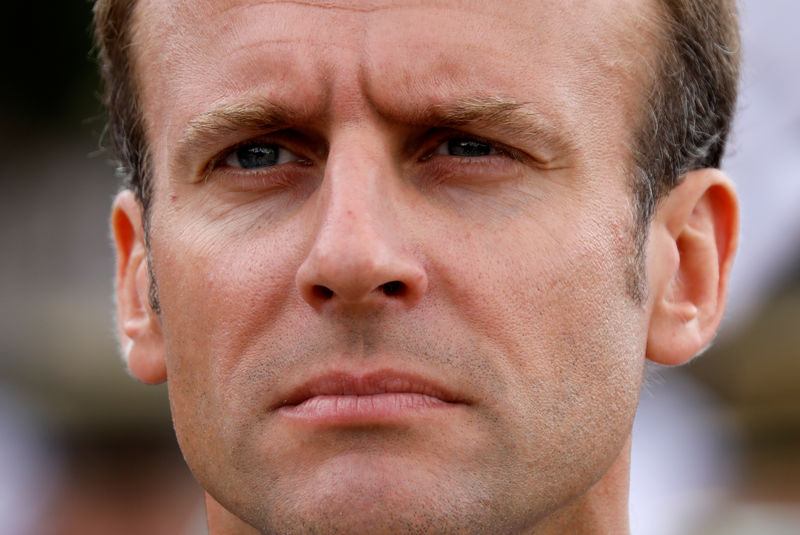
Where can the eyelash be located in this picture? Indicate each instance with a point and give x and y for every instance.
(219, 161)
(500, 149)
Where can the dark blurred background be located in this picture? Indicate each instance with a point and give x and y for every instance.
(85, 449)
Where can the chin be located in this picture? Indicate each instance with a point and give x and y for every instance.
(358, 495)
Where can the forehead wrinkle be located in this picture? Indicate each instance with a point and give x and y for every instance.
(332, 5)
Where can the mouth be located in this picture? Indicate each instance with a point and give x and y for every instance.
(342, 398)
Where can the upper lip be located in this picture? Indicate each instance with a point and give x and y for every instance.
(341, 383)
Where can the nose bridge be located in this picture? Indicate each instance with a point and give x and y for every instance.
(355, 228)
(357, 171)
(358, 256)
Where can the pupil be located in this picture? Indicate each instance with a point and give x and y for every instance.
(255, 156)
(468, 148)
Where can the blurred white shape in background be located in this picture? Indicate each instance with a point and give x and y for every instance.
(764, 153)
(28, 469)
(683, 459)
(682, 464)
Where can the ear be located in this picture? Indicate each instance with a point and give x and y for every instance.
(693, 240)
(138, 326)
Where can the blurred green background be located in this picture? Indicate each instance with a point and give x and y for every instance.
(86, 449)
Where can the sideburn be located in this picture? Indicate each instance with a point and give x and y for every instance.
(152, 292)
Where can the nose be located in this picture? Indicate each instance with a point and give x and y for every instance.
(359, 258)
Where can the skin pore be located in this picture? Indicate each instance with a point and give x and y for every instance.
(392, 244)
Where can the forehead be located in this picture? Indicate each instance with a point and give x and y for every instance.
(554, 54)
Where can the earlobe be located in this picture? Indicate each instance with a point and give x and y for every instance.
(138, 326)
(690, 254)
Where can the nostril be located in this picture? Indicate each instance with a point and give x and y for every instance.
(393, 288)
(322, 292)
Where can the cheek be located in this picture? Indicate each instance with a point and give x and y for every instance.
(554, 304)
(223, 297)
(537, 312)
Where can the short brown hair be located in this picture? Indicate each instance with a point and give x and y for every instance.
(690, 105)
(688, 112)
(124, 132)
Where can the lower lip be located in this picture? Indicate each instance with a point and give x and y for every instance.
(362, 409)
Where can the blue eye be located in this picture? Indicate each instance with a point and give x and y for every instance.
(259, 155)
(465, 147)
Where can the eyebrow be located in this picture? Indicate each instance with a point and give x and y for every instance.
(509, 117)
(500, 115)
(228, 120)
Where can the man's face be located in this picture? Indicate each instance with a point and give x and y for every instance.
(392, 244)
